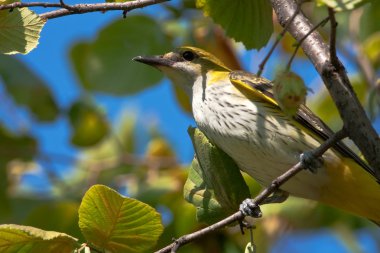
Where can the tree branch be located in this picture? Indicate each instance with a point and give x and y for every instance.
(32, 4)
(299, 43)
(238, 216)
(333, 24)
(81, 8)
(356, 122)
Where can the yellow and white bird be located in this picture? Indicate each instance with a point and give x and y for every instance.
(237, 112)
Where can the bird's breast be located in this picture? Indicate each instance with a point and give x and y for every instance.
(261, 140)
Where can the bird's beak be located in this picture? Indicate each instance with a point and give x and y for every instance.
(155, 61)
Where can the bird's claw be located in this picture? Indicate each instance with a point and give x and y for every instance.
(249, 208)
(310, 162)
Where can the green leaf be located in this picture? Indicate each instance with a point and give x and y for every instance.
(106, 64)
(371, 46)
(342, 5)
(244, 20)
(118, 224)
(21, 147)
(19, 31)
(369, 19)
(322, 104)
(215, 185)
(89, 124)
(27, 88)
(201, 196)
(45, 216)
(25, 239)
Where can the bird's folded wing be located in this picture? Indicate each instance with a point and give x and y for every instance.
(262, 89)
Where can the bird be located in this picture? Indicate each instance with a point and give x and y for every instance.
(237, 112)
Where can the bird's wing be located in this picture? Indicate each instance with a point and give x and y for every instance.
(261, 88)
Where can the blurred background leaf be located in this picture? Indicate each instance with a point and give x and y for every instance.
(88, 123)
(21, 147)
(59, 216)
(104, 65)
(27, 88)
(368, 24)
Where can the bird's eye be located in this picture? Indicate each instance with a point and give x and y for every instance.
(188, 55)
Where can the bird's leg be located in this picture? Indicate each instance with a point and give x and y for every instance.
(310, 162)
(249, 208)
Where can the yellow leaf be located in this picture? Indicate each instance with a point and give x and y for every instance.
(16, 238)
(19, 31)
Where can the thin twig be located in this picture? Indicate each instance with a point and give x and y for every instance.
(102, 7)
(278, 39)
(31, 4)
(64, 5)
(81, 8)
(298, 45)
(258, 199)
(333, 24)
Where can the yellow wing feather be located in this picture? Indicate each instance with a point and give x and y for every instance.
(250, 84)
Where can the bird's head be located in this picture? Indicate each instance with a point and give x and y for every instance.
(184, 65)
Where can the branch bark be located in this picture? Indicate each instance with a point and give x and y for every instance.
(81, 8)
(356, 122)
